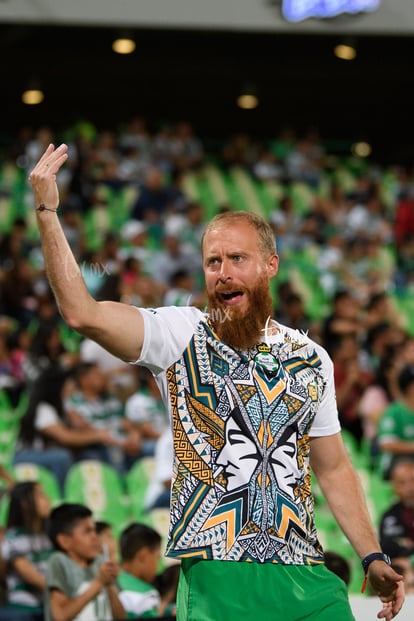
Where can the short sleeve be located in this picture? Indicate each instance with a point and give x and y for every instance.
(167, 332)
(326, 421)
(46, 416)
(56, 574)
(388, 425)
(136, 409)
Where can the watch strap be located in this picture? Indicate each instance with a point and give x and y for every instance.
(375, 556)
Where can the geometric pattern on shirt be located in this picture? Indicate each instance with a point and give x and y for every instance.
(269, 516)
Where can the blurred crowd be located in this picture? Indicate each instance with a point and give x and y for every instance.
(345, 234)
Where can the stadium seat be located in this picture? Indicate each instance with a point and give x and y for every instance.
(137, 481)
(98, 486)
(358, 457)
(380, 497)
(159, 519)
(35, 472)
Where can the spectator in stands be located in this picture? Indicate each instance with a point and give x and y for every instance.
(129, 281)
(239, 150)
(6, 377)
(186, 149)
(121, 377)
(396, 427)
(286, 223)
(345, 318)
(182, 291)
(375, 399)
(140, 548)
(396, 530)
(6, 477)
(284, 143)
(136, 136)
(187, 224)
(404, 275)
(379, 343)
(46, 350)
(369, 215)
(338, 206)
(92, 408)
(293, 313)
(404, 218)
(134, 235)
(166, 584)
(110, 253)
(173, 257)
(314, 226)
(80, 583)
(330, 261)
(73, 226)
(351, 380)
(37, 144)
(162, 147)
(17, 292)
(303, 162)
(108, 541)
(159, 490)
(267, 168)
(45, 437)
(368, 268)
(153, 200)
(381, 307)
(26, 548)
(14, 244)
(19, 341)
(146, 413)
(12, 382)
(339, 565)
(406, 352)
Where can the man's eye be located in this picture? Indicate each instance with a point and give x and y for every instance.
(237, 258)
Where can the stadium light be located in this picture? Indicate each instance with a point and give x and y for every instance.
(124, 44)
(345, 51)
(248, 98)
(33, 94)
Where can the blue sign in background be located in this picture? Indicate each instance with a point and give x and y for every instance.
(297, 10)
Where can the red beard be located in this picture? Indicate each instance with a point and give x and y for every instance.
(242, 329)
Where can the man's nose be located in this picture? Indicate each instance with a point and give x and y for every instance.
(224, 273)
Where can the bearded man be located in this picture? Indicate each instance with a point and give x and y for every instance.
(253, 409)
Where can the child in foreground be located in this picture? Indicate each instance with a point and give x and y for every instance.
(80, 584)
(140, 548)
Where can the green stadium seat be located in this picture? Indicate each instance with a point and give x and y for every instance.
(98, 486)
(137, 481)
(35, 472)
(159, 519)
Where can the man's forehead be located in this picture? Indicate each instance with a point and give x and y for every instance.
(236, 233)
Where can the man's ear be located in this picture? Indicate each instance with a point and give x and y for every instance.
(63, 541)
(273, 265)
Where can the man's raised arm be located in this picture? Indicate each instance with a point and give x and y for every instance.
(117, 327)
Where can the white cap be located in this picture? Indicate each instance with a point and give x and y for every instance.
(132, 228)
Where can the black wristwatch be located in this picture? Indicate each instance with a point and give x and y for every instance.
(375, 556)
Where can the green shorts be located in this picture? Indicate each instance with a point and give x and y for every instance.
(232, 591)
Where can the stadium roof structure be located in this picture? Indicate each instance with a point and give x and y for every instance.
(177, 74)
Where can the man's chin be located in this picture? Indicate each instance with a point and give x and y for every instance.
(238, 332)
(240, 325)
